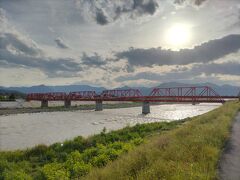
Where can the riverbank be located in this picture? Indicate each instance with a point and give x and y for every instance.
(75, 158)
(162, 150)
(8, 111)
(189, 152)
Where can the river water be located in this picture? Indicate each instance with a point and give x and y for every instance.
(20, 131)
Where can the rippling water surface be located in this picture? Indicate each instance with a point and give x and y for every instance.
(26, 130)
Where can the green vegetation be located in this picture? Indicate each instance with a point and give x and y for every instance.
(189, 152)
(6, 95)
(10, 97)
(76, 158)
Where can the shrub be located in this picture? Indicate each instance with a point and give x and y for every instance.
(137, 141)
(38, 151)
(113, 153)
(56, 171)
(73, 158)
(100, 160)
(88, 154)
(76, 166)
(16, 175)
(80, 169)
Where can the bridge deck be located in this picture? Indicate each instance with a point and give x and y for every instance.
(173, 94)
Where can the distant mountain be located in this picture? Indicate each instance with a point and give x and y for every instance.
(32, 89)
(72, 88)
(227, 90)
(45, 89)
(224, 90)
(5, 92)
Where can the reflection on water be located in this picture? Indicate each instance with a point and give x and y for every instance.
(26, 130)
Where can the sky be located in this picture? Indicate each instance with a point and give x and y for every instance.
(115, 43)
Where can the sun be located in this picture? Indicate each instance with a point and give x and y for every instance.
(178, 35)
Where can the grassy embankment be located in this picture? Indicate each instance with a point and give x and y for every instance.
(75, 158)
(189, 152)
(147, 151)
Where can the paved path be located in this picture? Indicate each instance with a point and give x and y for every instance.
(230, 162)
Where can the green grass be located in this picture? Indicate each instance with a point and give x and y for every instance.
(189, 152)
(75, 158)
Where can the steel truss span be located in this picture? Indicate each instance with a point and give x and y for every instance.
(173, 94)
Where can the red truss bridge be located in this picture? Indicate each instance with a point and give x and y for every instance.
(200, 94)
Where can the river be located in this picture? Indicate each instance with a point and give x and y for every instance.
(20, 131)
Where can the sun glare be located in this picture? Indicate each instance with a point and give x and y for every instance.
(178, 35)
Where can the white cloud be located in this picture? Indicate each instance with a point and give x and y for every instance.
(104, 12)
(29, 41)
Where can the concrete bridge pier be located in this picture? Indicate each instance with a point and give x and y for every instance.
(99, 106)
(67, 103)
(44, 103)
(145, 108)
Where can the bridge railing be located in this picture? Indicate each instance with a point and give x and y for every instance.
(119, 93)
(34, 96)
(187, 93)
(53, 96)
(173, 94)
(82, 95)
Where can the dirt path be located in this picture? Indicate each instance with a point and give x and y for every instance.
(230, 161)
